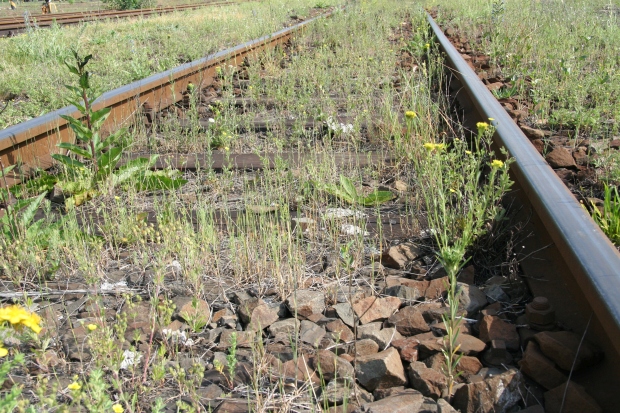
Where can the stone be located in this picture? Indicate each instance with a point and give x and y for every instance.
(341, 333)
(289, 327)
(561, 347)
(469, 345)
(407, 348)
(365, 347)
(532, 133)
(496, 293)
(408, 401)
(339, 390)
(374, 308)
(577, 400)
(540, 369)
(369, 328)
(494, 328)
(404, 293)
(469, 365)
(471, 299)
(398, 256)
(436, 288)
(560, 158)
(306, 302)
(380, 370)
(299, 369)
(256, 314)
(409, 321)
(497, 393)
(233, 406)
(345, 312)
(383, 337)
(243, 339)
(497, 355)
(191, 308)
(445, 407)
(428, 381)
(330, 366)
(311, 333)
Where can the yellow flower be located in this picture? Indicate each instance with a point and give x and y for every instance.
(468, 152)
(91, 327)
(453, 190)
(411, 114)
(482, 126)
(32, 323)
(491, 119)
(117, 408)
(427, 45)
(429, 146)
(497, 163)
(74, 386)
(3, 352)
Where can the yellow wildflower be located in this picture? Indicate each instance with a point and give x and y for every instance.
(32, 323)
(411, 114)
(468, 152)
(74, 386)
(491, 119)
(427, 45)
(439, 146)
(429, 146)
(453, 190)
(482, 126)
(497, 163)
(15, 314)
(3, 352)
(117, 408)
(91, 327)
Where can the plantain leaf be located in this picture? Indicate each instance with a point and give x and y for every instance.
(348, 186)
(65, 160)
(108, 161)
(7, 170)
(376, 198)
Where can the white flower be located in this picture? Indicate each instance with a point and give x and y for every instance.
(211, 120)
(130, 358)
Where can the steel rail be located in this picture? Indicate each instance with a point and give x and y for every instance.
(13, 25)
(592, 259)
(31, 143)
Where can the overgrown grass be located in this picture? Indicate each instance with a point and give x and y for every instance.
(32, 76)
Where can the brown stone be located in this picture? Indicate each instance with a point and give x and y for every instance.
(407, 401)
(532, 133)
(398, 256)
(429, 382)
(373, 308)
(577, 400)
(539, 368)
(469, 345)
(469, 365)
(409, 321)
(560, 158)
(561, 347)
(539, 145)
(383, 337)
(300, 369)
(407, 348)
(233, 406)
(331, 366)
(497, 393)
(436, 288)
(381, 370)
(303, 303)
(494, 328)
(365, 347)
(340, 331)
(190, 308)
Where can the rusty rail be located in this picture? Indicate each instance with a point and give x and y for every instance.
(590, 258)
(31, 143)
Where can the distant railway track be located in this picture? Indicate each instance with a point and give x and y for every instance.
(10, 26)
(568, 243)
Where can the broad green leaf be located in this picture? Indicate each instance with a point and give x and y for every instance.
(85, 61)
(72, 69)
(75, 149)
(376, 198)
(348, 186)
(81, 131)
(107, 162)
(98, 117)
(29, 212)
(84, 83)
(7, 170)
(338, 192)
(130, 169)
(79, 106)
(65, 160)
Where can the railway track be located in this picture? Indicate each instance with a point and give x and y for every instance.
(10, 26)
(568, 261)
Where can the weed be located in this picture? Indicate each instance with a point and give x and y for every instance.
(609, 218)
(347, 192)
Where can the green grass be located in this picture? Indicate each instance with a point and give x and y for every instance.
(32, 76)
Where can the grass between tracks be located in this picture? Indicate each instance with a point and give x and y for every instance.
(32, 80)
(392, 107)
(563, 57)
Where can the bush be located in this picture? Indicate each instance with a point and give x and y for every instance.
(129, 4)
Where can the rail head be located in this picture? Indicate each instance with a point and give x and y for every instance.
(593, 259)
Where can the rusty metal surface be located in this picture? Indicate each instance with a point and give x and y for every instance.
(30, 144)
(13, 25)
(571, 260)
